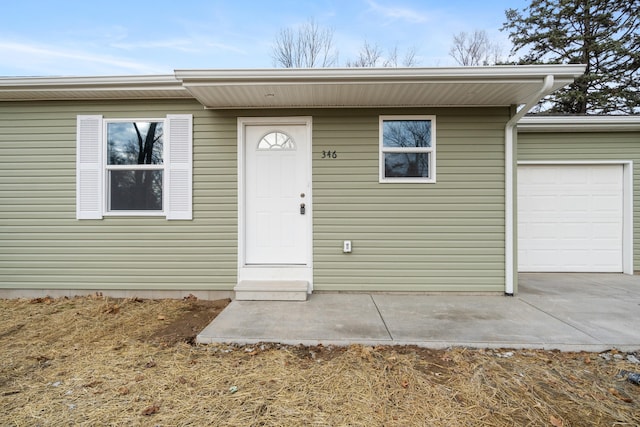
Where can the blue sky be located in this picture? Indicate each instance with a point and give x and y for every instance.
(70, 37)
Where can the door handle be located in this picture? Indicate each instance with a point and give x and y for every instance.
(302, 209)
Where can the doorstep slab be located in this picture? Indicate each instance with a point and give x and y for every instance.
(323, 318)
(272, 290)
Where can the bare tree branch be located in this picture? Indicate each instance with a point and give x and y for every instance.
(410, 59)
(371, 55)
(309, 46)
(472, 49)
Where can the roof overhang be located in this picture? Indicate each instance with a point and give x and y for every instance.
(579, 124)
(89, 88)
(373, 87)
(310, 88)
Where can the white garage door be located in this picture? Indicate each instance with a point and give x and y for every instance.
(570, 218)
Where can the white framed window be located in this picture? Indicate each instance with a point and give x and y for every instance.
(134, 167)
(407, 149)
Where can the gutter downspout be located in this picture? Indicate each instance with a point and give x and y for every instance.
(509, 192)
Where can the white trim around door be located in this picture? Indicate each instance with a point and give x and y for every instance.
(627, 195)
(259, 265)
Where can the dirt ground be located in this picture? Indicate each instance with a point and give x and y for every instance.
(100, 361)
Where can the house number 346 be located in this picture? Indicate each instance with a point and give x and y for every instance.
(328, 154)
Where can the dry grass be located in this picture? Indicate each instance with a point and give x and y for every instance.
(98, 361)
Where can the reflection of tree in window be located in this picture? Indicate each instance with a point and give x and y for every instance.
(135, 143)
(407, 134)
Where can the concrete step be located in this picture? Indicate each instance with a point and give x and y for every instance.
(272, 290)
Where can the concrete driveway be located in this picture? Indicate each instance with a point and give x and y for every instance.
(590, 312)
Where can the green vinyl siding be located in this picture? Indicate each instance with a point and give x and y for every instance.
(446, 236)
(589, 146)
(43, 246)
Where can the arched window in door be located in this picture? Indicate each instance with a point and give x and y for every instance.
(276, 141)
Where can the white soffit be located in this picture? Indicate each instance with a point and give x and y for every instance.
(83, 88)
(373, 87)
(579, 123)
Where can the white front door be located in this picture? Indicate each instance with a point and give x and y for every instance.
(277, 194)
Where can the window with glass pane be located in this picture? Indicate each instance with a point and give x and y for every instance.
(407, 149)
(135, 165)
(276, 141)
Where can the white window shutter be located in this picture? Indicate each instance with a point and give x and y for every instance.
(179, 181)
(89, 167)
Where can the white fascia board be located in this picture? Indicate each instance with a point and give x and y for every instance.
(507, 72)
(132, 82)
(90, 87)
(578, 123)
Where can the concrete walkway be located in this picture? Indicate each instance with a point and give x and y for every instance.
(569, 312)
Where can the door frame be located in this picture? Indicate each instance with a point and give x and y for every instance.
(627, 201)
(273, 272)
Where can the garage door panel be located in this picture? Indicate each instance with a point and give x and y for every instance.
(570, 218)
(543, 232)
(543, 258)
(537, 203)
(562, 261)
(573, 176)
(575, 231)
(570, 203)
(603, 260)
(607, 232)
(602, 176)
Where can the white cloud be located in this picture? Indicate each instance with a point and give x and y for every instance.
(399, 13)
(29, 57)
(182, 45)
(193, 45)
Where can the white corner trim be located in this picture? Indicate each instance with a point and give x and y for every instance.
(509, 212)
(627, 200)
(509, 191)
